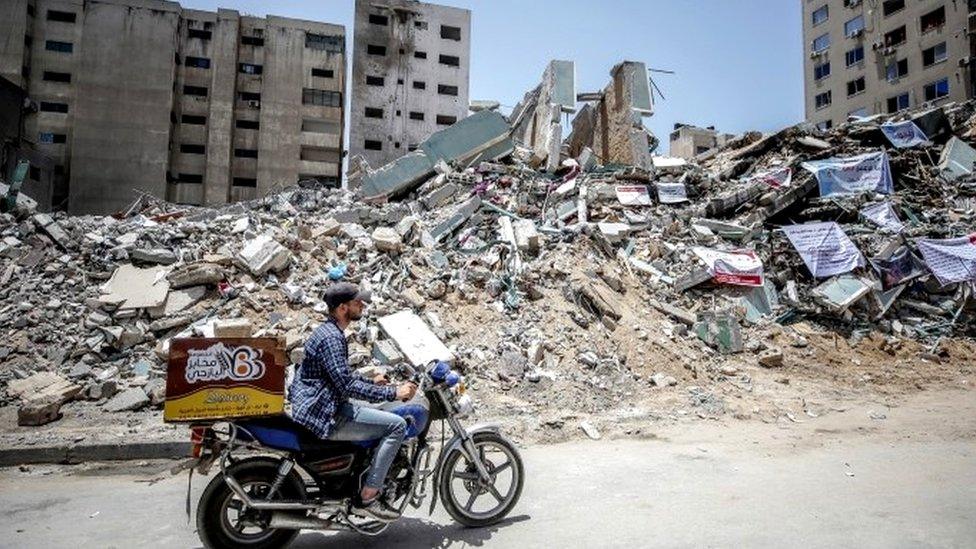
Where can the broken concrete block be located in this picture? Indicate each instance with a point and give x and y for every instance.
(841, 292)
(386, 239)
(413, 298)
(161, 256)
(128, 400)
(720, 331)
(590, 430)
(178, 301)
(53, 229)
(414, 338)
(661, 379)
(263, 254)
(614, 232)
(134, 288)
(233, 327)
(599, 295)
(329, 227)
(461, 215)
(439, 196)
(386, 352)
(43, 385)
(38, 412)
(196, 274)
(771, 358)
(527, 238)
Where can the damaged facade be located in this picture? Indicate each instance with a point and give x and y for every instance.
(190, 106)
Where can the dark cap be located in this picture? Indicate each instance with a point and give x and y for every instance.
(344, 292)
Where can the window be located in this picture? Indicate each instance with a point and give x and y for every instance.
(859, 113)
(323, 73)
(313, 125)
(379, 19)
(374, 80)
(322, 42)
(891, 6)
(28, 40)
(936, 54)
(250, 96)
(937, 89)
(419, 85)
(933, 19)
(447, 90)
(820, 14)
(420, 54)
(247, 124)
(855, 56)
(822, 100)
(197, 33)
(61, 16)
(51, 76)
(322, 98)
(450, 33)
(198, 62)
(192, 149)
(34, 173)
(30, 10)
(246, 153)
(193, 119)
(195, 90)
(821, 71)
(854, 26)
(320, 154)
(189, 178)
(252, 41)
(821, 42)
(56, 138)
(855, 87)
(373, 145)
(416, 115)
(245, 182)
(897, 103)
(373, 49)
(399, 81)
(248, 68)
(372, 112)
(422, 25)
(445, 120)
(825, 125)
(47, 106)
(895, 37)
(450, 60)
(65, 47)
(896, 70)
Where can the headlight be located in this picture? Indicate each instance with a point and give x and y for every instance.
(465, 405)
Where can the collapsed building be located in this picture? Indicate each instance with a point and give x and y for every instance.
(605, 272)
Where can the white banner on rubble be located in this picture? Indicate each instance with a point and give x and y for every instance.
(739, 267)
(863, 173)
(825, 248)
(633, 195)
(672, 193)
(883, 215)
(951, 260)
(904, 134)
(776, 179)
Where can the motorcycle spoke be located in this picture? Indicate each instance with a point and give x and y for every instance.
(236, 504)
(495, 494)
(502, 467)
(470, 503)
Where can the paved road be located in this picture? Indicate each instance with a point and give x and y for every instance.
(843, 480)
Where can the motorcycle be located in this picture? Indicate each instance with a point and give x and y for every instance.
(276, 478)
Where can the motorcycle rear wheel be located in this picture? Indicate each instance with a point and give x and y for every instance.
(460, 487)
(216, 524)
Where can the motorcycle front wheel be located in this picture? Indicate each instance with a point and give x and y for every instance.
(472, 502)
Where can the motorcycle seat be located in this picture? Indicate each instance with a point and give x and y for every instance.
(281, 433)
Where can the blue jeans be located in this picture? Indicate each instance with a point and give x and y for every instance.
(356, 423)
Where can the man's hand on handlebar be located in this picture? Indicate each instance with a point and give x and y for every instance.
(406, 390)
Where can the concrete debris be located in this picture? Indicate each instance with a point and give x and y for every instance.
(263, 255)
(134, 288)
(127, 401)
(414, 338)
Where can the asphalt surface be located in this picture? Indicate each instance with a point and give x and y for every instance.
(843, 480)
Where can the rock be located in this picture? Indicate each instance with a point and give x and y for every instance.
(385, 352)
(727, 370)
(233, 327)
(38, 412)
(590, 430)
(772, 358)
(588, 358)
(413, 298)
(536, 353)
(661, 379)
(263, 255)
(128, 400)
(196, 274)
(386, 239)
(436, 289)
(161, 256)
(102, 389)
(155, 389)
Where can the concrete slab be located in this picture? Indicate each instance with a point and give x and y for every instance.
(414, 338)
(135, 288)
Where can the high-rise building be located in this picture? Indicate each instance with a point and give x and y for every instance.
(882, 56)
(410, 75)
(195, 107)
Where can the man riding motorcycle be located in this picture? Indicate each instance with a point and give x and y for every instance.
(324, 383)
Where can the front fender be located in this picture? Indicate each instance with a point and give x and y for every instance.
(455, 444)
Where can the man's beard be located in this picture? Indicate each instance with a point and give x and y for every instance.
(355, 316)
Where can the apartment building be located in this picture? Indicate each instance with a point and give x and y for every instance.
(688, 141)
(411, 64)
(865, 57)
(195, 107)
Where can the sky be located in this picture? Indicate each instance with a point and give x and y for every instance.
(738, 64)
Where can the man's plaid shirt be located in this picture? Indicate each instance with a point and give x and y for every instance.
(324, 381)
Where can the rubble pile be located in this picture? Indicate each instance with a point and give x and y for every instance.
(574, 288)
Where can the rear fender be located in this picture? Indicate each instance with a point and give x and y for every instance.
(452, 445)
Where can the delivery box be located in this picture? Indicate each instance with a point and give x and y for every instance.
(219, 378)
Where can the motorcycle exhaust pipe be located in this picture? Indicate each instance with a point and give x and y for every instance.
(294, 521)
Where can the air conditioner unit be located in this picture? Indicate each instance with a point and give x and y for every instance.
(888, 51)
(852, 3)
(877, 45)
(964, 62)
(816, 54)
(254, 104)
